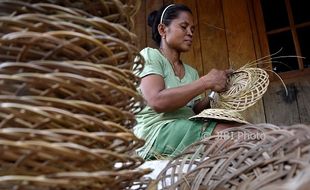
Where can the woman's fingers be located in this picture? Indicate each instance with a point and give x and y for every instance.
(229, 72)
(218, 79)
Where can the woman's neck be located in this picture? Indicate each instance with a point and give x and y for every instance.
(172, 55)
(174, 59)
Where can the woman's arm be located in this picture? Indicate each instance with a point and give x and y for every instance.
(166, 100)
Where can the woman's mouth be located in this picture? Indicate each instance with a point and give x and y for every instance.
(189, 41)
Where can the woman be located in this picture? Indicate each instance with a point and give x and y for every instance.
(172, 88)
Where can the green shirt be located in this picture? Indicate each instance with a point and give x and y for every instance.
(150, 122)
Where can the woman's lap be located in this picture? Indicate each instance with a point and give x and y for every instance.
(174, 137)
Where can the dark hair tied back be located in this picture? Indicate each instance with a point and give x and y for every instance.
(170, 14)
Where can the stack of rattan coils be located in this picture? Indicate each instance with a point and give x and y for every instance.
(68, 95)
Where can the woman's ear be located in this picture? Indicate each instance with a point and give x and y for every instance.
(162, 30)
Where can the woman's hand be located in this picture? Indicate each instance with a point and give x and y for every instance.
(216, 80)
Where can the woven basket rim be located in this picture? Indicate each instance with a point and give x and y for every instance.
(221, 114)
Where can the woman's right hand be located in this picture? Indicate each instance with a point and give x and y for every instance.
(216, 80)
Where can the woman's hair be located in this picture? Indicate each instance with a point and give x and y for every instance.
(170, 13)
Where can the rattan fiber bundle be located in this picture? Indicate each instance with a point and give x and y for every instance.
(248, 157)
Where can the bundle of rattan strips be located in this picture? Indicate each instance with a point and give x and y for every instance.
(90, 26)
(43, 117)
(85, 69)
(120, 142)
(70, 86)
(114, 11)
(100, 49)
(103, 112)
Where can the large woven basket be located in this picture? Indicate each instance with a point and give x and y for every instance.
(247, 157)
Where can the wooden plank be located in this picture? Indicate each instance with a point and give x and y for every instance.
(193, 57)
(257, 113)
(151, 5)
(168, 2)
(303, 96)
(254, 29)
(238, 32)
(241, 48)
(212, 35)
(279, 108)
(140, 26)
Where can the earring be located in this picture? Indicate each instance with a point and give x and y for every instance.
(164, 37)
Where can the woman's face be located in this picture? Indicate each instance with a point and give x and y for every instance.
(179, 34)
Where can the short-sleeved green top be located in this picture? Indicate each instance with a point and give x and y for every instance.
(150, 122)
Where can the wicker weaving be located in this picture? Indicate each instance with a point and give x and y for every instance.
(68, 95)
(249, 157)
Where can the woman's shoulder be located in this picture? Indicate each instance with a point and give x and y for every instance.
(152, 56)
(149, 52)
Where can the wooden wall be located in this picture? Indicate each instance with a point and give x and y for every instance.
(291, 108)
(225, 37)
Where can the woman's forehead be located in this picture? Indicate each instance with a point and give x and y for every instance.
(185, 17)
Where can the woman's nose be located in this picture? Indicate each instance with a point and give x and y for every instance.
(189, 32)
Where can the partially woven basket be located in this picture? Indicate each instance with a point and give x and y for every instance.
(247, 157)
(245, 87)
